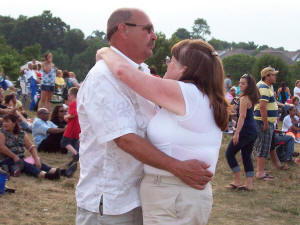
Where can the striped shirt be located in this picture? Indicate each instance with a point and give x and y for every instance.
(267, 94)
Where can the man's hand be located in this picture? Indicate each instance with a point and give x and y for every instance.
(266, 126)
(16, 158)
(193, 172)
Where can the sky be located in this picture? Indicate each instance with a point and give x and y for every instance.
(272, 22)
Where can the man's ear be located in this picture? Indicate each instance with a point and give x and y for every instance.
(123, 30)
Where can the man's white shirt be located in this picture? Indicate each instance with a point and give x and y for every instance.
(287, 123)
(108, 109)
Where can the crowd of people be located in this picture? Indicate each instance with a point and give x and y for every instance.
(60, 133)
(257, 111)
(147, 156)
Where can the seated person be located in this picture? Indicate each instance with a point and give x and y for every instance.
(11, 102)
(43, 131)
(12, 143)
(57, 117)
(284, 151)
(296, 103)
(59, 81)
(291, 124)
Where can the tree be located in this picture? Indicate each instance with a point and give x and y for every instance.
(275, 62)
(200, 29)
(83, 62)
(294, 73)
(74, 42)
(61, 59)
(44, 29)
(7, 24)
(182, 33)
(219, 44)
(98, 34)
(237, 65)
(32, 52)
(248, 46)
(161, 50)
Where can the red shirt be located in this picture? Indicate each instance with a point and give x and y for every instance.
(73, 128)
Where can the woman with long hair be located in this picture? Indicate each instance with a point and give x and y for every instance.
(12, 144)
(283, 92)
(188, 125)
(48, 81)
(245, 134)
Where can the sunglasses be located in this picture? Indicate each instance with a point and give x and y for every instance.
(62, 110)
(148, 27)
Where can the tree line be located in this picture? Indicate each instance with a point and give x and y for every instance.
(25, 38)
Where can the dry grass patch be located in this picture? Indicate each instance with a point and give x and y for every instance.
(39, 201)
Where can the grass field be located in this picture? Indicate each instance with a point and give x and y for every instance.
(39, 201)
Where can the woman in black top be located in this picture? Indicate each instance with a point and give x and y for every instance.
(245, 134)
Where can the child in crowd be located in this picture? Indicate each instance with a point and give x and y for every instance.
(70, 139)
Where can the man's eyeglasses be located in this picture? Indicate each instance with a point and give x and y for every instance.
(149, 27)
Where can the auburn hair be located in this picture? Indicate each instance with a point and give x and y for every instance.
(204, 69)
(251, 91)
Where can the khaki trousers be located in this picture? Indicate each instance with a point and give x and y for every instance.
(133, 217)
(168, 201)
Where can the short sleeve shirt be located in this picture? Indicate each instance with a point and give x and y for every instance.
(266, 94)
(39, 130)
(73, 128)
(287, 123)
(108, 109)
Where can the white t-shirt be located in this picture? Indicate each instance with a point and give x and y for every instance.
(297, 92)
(192, 136)
(108, 109)
(287, 123)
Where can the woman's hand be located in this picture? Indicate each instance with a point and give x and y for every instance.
(100, 52)
(235, 138)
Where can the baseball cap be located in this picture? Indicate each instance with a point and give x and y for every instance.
(268, 70)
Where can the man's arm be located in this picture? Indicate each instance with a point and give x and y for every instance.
(263, 113)
(55, 130)
(192, 172)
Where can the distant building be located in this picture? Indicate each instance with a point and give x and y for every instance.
(288, 57)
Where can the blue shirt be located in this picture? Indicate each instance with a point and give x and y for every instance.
(39, 130)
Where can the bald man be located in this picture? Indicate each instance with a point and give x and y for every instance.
(113, 121)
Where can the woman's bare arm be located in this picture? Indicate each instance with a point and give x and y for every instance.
(164, 92)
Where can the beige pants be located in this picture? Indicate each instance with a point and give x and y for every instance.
(133, 217)
(168, 201)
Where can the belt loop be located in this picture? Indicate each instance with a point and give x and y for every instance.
(157, 179)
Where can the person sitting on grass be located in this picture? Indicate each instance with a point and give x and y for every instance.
(43, 131)
(291, 124)
(283, 146)
(57, 117)
(12, 143)
(70, 139)
(296, 103)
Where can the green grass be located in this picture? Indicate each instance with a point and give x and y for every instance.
(39, 201)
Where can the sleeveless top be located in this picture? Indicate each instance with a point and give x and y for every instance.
(283, 98)
(14, 144)
(49, 78)
(249, 127)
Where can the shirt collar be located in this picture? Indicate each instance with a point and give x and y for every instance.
(143, 65)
